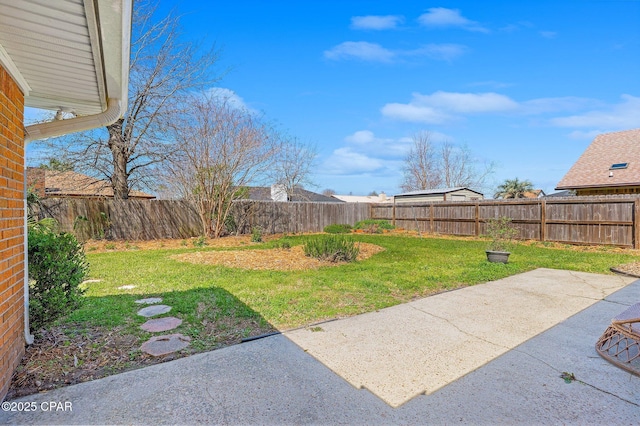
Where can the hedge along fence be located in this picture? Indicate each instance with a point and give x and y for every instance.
(154, 219)
(576, 220)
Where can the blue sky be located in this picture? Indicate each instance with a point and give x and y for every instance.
(525, 84)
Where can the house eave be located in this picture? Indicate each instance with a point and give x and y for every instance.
(70, 56)
(599, 186)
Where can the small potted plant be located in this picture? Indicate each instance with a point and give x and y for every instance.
(501, 232)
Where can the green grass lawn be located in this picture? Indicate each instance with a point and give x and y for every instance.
(408, 268)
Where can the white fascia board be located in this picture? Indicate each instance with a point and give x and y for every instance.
(14, 72)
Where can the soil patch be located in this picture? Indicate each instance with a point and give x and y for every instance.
(269, 259)
(67, 355)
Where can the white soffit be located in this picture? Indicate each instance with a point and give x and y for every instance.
(57, 49)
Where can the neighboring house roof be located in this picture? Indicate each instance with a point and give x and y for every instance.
(565, 193)
(437, 191)
(68, 56)
(72, 184)
(594, 167)
(382, 198)
(263, 193)
(536, 193)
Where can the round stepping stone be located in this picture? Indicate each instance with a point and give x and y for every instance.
(161, 324)
(153, 310)
(149, 301)
(163, 345)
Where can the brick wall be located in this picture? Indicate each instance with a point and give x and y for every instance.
(11, 228)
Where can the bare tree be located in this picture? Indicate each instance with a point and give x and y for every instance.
(328, 192)
(461, 169)
(163, 69)
(292, 166)
(421, 168)
(428, 166)
(222, 150)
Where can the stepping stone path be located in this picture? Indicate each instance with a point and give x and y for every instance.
(163, 345)
(166, 344)
(161, 324)
(153, 310)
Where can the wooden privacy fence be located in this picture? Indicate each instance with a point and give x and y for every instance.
(607, 221)
(154, 219)
(106, 218)
(583, 220)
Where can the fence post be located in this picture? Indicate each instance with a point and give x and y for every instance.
(431, 218)
(393, 213)
(543, 220)
(477, 218)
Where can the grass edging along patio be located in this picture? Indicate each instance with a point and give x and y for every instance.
(220, 306)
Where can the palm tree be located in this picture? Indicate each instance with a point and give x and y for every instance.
(513, 188)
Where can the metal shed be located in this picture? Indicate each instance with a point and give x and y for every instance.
(439, 194)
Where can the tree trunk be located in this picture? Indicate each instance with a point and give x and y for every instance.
(118, 149)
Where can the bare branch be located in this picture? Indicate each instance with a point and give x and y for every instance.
(164, 68)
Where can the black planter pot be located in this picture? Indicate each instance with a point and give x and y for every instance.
(498, 256)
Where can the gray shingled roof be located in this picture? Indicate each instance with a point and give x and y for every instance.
(262, 193)
(436, 191)
(593, 168)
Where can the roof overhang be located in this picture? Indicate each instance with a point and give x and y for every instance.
(69, 56)
(611, 185)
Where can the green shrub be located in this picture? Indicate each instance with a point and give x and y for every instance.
(374, 226)
(338, 228)
(256, 234)
(201, 241)
(57, 267)
(334, 248)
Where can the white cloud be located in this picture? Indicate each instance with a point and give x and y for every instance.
(366, 154)
(229, 96)
(361, 137)
(441, 107)
(375, 22)
(373, 52)
(366, 141)
(414, 113)
(566, 103)
(625, 115)
(467, 102)
(548, 34)
(441, 17)
(360, 50)
(346, 161)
